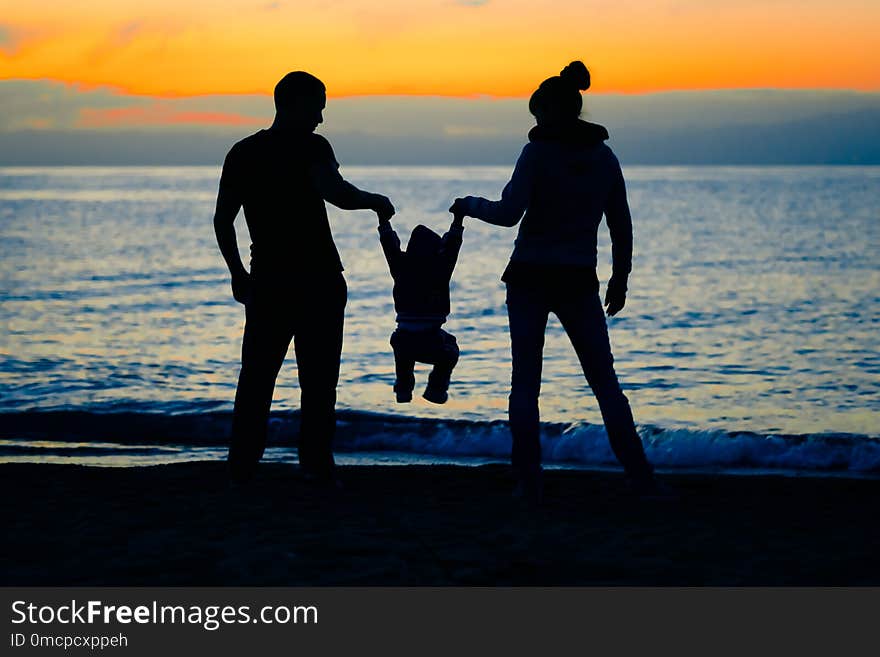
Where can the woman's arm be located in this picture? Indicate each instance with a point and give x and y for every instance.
(619, 221)
(514, 199)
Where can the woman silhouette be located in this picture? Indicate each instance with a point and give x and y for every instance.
(565, 179)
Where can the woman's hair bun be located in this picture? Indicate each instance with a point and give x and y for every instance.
(577, 74)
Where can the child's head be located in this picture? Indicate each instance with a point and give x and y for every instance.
(423, 243)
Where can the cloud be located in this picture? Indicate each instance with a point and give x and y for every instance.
(159, 115)
(471, 131)
(8, 40)
(127, 33)
(30, 103)
(472, 3)
(57, 105)
(51, 122)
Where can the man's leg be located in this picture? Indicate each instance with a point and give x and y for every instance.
(318, 345)
(583, 319)
(266, 339)
(404, 364)
(527, 314)
(443, 353)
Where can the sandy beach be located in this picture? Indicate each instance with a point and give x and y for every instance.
(428, 525)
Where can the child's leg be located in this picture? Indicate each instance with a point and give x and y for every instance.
(444, 356)
(404, 363)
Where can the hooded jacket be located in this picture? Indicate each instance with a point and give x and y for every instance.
(421, 274)
(565, 179)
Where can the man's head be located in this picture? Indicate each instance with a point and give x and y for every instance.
(300, 99)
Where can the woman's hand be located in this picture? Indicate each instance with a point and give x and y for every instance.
(615, 295)
(458, 208)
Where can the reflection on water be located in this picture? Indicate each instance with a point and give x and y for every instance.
(753, 301)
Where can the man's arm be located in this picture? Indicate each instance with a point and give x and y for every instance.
(514, 199)
(619, 220)
(334, 189)
(228, 204)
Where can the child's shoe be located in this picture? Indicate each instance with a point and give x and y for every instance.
(435, 395)
(402, 394)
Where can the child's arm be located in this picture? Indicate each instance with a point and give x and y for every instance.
(452, 242)
(390, 246)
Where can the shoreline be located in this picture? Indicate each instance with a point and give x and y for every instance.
(434, 525)
(286, 456)
(142, 438)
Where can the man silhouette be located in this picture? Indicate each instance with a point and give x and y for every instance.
(295, 290)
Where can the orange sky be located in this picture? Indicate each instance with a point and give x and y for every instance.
(441, 47)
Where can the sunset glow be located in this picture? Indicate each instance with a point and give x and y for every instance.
(440, 47)
(159, 115)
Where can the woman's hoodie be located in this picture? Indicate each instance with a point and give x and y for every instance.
(565, 179)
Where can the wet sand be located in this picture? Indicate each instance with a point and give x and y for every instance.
(428, 525)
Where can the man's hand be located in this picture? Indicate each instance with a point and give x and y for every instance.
(383, 208)
(242, 287)
(615, 295)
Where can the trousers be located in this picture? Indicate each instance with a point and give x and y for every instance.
(580, 312)
(312, 316)
(433, 346)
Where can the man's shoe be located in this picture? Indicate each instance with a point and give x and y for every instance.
(322, 479)
(650, 489)
(242, 475)
(529, 488)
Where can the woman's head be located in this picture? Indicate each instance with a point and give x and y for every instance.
(300, 99)
(558, 99)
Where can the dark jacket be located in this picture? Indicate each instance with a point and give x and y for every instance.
(421, 273)
(564, 181)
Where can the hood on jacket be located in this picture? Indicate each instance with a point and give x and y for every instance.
(423, 242)
(576, 132)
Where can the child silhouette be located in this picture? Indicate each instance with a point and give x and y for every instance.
(421, 299)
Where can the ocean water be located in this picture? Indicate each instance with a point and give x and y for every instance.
(750, 339)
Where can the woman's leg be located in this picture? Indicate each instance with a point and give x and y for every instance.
(583, 319)
(527, 313)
